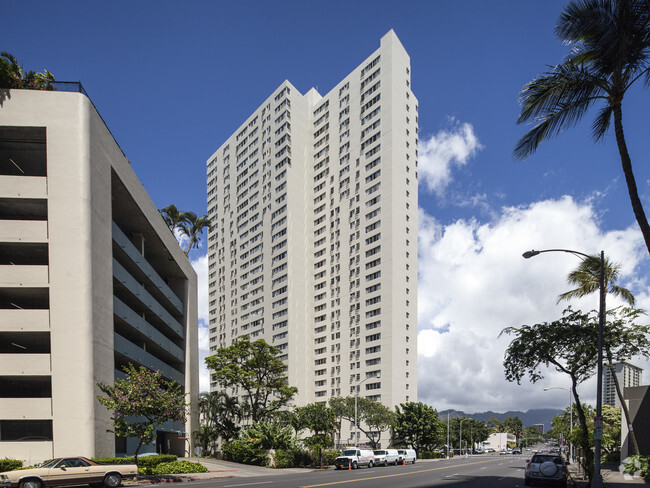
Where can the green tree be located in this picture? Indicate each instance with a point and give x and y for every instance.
(587, 279)
(513, 425)
(569, 346)
(373, 417)
(220, 414)
(141, 402)
(321, 421)
(192, 227)
(623, 339)
(173, 217)
(253, 367)
(496, 425)
(12, 75)
(417, 425)
(610, 49)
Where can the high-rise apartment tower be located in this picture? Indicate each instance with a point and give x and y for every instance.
(314, 201)
(628, 376)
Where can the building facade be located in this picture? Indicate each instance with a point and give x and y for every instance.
(628, 376)
(91, 279)
(314, 202)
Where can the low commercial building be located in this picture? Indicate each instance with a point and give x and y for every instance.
(91, 279)
(499, 441)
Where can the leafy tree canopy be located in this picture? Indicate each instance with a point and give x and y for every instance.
(417, 425)
(141, 402)
(253, 367)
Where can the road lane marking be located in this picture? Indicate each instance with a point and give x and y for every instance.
(249, 484)
(393, 475)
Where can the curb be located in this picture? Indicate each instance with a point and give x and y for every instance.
(172, 479)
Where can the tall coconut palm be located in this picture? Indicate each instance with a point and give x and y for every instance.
(192, 227)
(610, 42)
(587, 279)
(173, 217)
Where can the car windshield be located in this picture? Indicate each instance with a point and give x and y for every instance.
(50, 463)
(542, 459)
(349, 452)
(380, 452)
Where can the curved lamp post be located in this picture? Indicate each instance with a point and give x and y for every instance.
(356, 395)
(597, 481)
(570, 414)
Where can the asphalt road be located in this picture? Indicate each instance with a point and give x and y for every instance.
(476, 471)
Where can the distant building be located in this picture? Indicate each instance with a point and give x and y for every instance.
(500, 440)
(539, 428)
(628, 376)
(91, 279)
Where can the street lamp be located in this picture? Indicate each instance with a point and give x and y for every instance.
(356, 395)
(570, 414)
(597, 481)
(461, 435)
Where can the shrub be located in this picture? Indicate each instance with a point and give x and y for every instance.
(288, 458)
(114, 460)
(246, 451)
(329, 456)
(178, 467)
(638, 464)
(8, 464)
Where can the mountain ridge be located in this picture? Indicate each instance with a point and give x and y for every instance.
(528, 418)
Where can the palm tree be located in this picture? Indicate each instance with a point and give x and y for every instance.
(611, 51)
(173, 217)
(11, 73)
(587, 278)
(192, 227)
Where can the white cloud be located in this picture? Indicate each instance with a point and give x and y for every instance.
(200, 265)
(473, 282)
(444, 150)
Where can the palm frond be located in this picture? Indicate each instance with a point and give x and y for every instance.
(556, 100)
(601, 122)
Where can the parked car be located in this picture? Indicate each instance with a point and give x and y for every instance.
(546, 468)
(408, 455)
(350, 458)
(69, 471)
(384, 457)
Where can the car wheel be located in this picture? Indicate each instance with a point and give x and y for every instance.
(338, 467)
(370, 464)
(413, 461)
(31, 483)
(354, 465)
(385, 463)
(112, 480)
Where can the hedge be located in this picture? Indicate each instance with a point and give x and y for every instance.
(8, 464)
(179, 467)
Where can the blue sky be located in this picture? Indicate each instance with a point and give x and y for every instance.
(174, 79)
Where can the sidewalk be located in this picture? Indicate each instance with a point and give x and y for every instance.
(612, 478)
(216, 469)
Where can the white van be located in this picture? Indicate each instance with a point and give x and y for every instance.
(353, 458)
(407, 455)
(384, 457)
